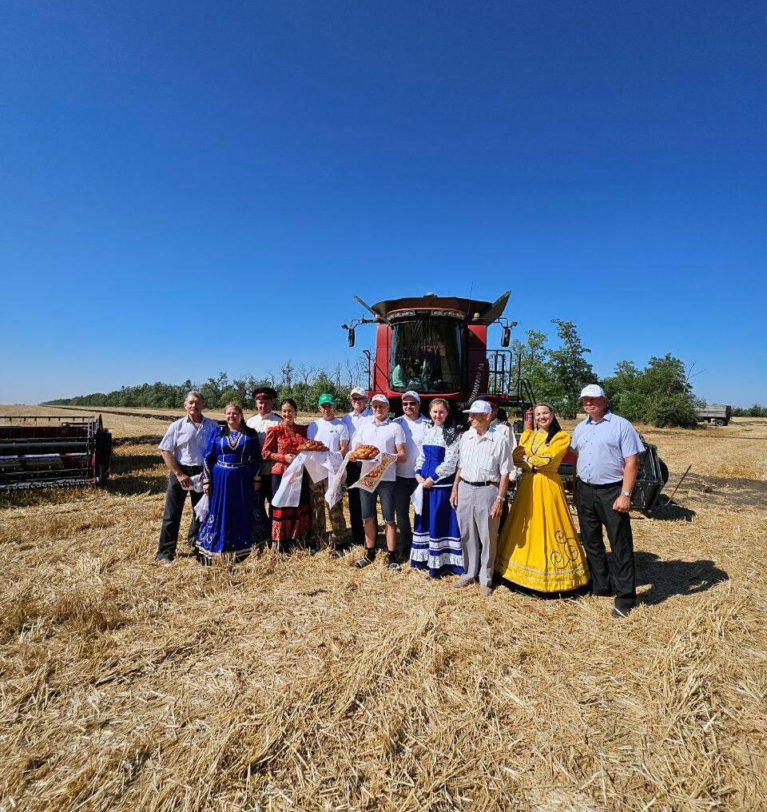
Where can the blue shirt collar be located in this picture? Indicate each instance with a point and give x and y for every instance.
(606, 416)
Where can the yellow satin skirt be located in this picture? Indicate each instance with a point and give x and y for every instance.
(539, 547)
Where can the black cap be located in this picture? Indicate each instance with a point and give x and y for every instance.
(264, 392)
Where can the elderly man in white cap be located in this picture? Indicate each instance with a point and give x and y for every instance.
(386, 435)
(481, 482)
(413, 425)
(353, 421)
(608, 450)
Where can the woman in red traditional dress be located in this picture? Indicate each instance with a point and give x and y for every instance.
(281, 447)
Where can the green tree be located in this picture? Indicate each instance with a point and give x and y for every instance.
(569, 369)
(660, 394)
(533, 362)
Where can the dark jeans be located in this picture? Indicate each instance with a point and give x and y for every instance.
(353, 470)
(385, 492)
(262, 495)
(595, 510)
(175, 497)
(403, 490)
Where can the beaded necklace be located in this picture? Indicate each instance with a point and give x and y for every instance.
(533, 450)
(237, 436)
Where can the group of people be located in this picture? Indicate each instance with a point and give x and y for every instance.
(457, 483)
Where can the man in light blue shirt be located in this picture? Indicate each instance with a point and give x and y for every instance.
(608, 450)
(182, 449)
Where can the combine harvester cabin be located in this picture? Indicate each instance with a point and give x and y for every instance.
(438, 347)
(44, 452)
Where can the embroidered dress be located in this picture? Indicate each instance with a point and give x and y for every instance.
(539, 547)
(436, 538)
(230, 465)
(288, 523)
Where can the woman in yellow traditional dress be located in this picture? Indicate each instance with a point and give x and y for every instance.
(539, 547)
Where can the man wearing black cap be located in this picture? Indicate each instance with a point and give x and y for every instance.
(261, 422)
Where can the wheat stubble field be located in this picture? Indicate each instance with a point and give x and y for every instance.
(302, 684)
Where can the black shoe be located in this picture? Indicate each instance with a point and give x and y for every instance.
(365, 561)
(339, 552)
(163, 560)
(603, 593)
(620, 613)
(391, 562)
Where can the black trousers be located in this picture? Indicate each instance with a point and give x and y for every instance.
(403, 490)
(262, 495)
(353, 471)
(175, 497)
(595, 511)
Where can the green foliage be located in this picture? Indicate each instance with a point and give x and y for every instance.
(305, 389)
(660, 394)
(752, 411)
(570, 370)
(556, 374)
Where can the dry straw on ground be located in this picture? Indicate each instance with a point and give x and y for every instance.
(303, 684)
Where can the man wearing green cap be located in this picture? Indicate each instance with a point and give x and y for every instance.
(331, 431)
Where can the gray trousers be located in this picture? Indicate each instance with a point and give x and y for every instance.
(479, 533)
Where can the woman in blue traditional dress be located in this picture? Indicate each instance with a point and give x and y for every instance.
(436, 538)
(230, 477)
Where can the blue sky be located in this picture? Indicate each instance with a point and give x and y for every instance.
(195, 187)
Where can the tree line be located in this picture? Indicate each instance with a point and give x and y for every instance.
(303, 384)
(660, 393)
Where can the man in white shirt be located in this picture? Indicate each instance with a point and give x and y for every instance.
(353, 420)
(182, 449)
(331, 431)
(385, 435)
(481, 482)
(413, 425)
(261, 422)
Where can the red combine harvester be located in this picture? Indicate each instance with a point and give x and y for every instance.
(44, 452)
(437, 346)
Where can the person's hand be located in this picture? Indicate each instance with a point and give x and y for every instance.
(428, 482)
(419, 479)
(289, 458)
(529, 424)
(495, 510)
(454, 499)
(206, 489)
(622, 504)
(184, 480)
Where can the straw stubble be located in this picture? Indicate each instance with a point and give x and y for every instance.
(301, 683)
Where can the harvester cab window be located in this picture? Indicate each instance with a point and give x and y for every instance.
(426, 356)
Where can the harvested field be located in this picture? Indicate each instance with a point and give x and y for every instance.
(302, 684)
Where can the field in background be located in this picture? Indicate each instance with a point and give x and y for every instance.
(302, 684)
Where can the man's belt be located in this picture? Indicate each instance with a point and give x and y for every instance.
(479, 484)
(601, 487)
(191, 469)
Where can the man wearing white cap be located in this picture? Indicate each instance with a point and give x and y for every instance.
(385, 435)
(481, 482)
(413, 425)
(608, 450)
(353, 420)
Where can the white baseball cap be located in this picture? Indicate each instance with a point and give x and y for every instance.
(411, 394)
(358, 390)
(379, 398)
(593, 390)
(479, 407)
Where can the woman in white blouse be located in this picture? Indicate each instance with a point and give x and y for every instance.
(436, 538)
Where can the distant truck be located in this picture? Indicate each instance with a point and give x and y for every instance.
(717, 413)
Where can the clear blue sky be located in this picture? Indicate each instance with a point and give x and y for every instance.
(195, 187)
